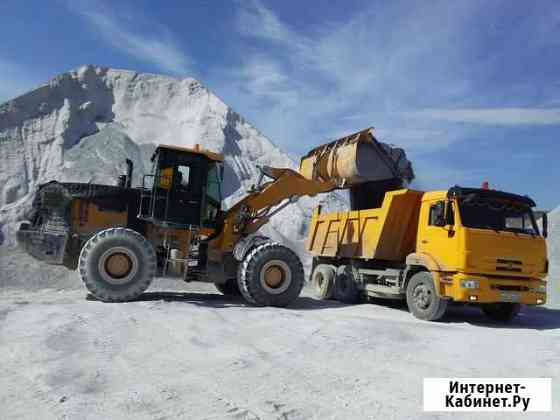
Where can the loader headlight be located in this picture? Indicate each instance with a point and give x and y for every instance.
(470, 284)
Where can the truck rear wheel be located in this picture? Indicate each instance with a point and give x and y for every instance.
(345, 289)
(323, 279)
(117, 264)
(229, 288)
(502, 312)
(270, 275)
(422, 299)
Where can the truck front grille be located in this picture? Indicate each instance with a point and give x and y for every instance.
(510, 288)
(512, 266)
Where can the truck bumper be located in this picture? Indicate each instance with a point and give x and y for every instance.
(44, 246)
(493, 289)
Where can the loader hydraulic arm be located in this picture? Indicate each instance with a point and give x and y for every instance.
(263, 201)
(349, 161)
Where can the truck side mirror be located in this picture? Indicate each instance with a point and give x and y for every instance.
(449, 217)
(545, 225)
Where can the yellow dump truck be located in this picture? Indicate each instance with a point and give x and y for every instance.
(478, 246)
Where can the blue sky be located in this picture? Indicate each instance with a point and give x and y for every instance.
(471, 89)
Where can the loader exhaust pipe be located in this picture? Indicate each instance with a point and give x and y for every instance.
(129, 169)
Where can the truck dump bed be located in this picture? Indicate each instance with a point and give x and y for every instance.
(385, 233)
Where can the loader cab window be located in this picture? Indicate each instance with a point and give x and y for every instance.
(183, 173)
(213, 194)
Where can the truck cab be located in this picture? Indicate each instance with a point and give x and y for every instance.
(485, 245)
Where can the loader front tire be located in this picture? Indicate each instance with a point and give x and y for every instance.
(422, 299)
(117, 264)
(270, 275)
(323, 279)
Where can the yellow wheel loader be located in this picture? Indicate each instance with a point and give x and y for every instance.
(119, 237)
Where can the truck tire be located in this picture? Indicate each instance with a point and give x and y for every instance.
(502, 312)
(229, 288)
(345, 289)
(422, 299)
(117, 264)
(323, 278)
(270, 275)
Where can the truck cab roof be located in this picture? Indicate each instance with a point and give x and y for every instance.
(462, 192)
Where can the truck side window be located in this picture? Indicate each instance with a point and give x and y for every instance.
(436, 214)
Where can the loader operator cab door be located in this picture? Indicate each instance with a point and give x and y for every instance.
(186, 188)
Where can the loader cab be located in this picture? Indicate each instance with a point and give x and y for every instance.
(183, 189)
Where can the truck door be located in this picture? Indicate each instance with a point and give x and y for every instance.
(437, 236)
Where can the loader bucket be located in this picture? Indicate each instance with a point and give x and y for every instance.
(356, 159)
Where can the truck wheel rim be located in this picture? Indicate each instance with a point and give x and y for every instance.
(275, 277)
(118, 265)
(422, 296)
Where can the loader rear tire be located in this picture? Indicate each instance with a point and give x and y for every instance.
(323, 279)
(229, 288)
(422, 299)
(345, 288)
(270, 275)
(117, 264)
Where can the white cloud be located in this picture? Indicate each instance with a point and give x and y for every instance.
(256, 20)
(340, 76)
(158, 48)
(493, 116)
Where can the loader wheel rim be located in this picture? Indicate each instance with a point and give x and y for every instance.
(422, 296)
(118, 265)
(275, 276)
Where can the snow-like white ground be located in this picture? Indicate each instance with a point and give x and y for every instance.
(194, 354)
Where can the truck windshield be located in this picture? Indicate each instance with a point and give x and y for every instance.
(497, 215)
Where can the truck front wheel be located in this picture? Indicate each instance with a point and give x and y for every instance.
(502, 312)
(422, 299)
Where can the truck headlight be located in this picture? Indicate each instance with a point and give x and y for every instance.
(539, 289)
(470, 284)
